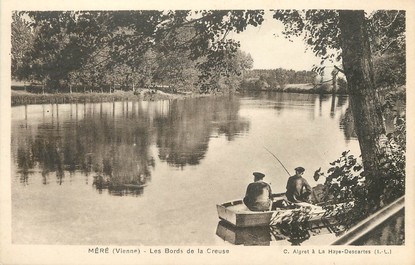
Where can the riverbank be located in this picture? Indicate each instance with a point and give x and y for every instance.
(23, 97)
(301, 88)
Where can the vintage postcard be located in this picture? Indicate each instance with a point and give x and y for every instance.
(198, 132)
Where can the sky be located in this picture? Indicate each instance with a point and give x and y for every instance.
(271, 50)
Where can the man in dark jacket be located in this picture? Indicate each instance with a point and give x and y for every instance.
(298, 189)
(258, 194)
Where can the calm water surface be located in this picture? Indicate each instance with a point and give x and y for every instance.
(168, 164)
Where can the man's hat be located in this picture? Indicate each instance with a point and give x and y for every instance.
(258, 175)
(299, 169)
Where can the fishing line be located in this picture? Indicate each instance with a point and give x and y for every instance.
(278, 160)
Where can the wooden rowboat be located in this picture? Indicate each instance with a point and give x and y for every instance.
(237, 214)
(264, 235)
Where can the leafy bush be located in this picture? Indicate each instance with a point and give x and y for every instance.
(346, 181)
(393, 163)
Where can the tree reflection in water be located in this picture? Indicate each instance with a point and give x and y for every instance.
(113, 143)
(25, 163)
(183, 135)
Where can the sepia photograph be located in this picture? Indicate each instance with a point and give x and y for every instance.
(143, 134)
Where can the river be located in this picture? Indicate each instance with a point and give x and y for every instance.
(169, 163)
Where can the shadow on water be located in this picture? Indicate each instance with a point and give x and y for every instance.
(113, 143)
(183, 135)
(119, 189)
(294, 233)
(305, 102)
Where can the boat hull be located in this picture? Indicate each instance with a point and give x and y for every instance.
(237, 214)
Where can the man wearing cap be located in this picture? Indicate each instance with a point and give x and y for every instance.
(258, 194)
(298, 189)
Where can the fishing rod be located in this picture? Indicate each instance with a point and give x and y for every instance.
(278, 160)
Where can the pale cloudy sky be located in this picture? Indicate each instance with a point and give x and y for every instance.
(271, 50)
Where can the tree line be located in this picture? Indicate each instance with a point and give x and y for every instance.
(259, 79)
(103, 50)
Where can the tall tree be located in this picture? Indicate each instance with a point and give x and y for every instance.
(366, 107)
(343, 34)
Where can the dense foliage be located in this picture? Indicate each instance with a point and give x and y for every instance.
(387, 33)
(346, 182)
(99, 50)
(259, 79)
(103, 50)
(319, 28)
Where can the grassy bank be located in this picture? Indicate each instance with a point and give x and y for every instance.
(307, 88)
(23, 97)
(301, 88)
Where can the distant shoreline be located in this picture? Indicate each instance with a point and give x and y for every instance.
(19, 98)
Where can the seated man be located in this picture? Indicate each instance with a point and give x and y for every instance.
(258, 194)
(298, 189)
